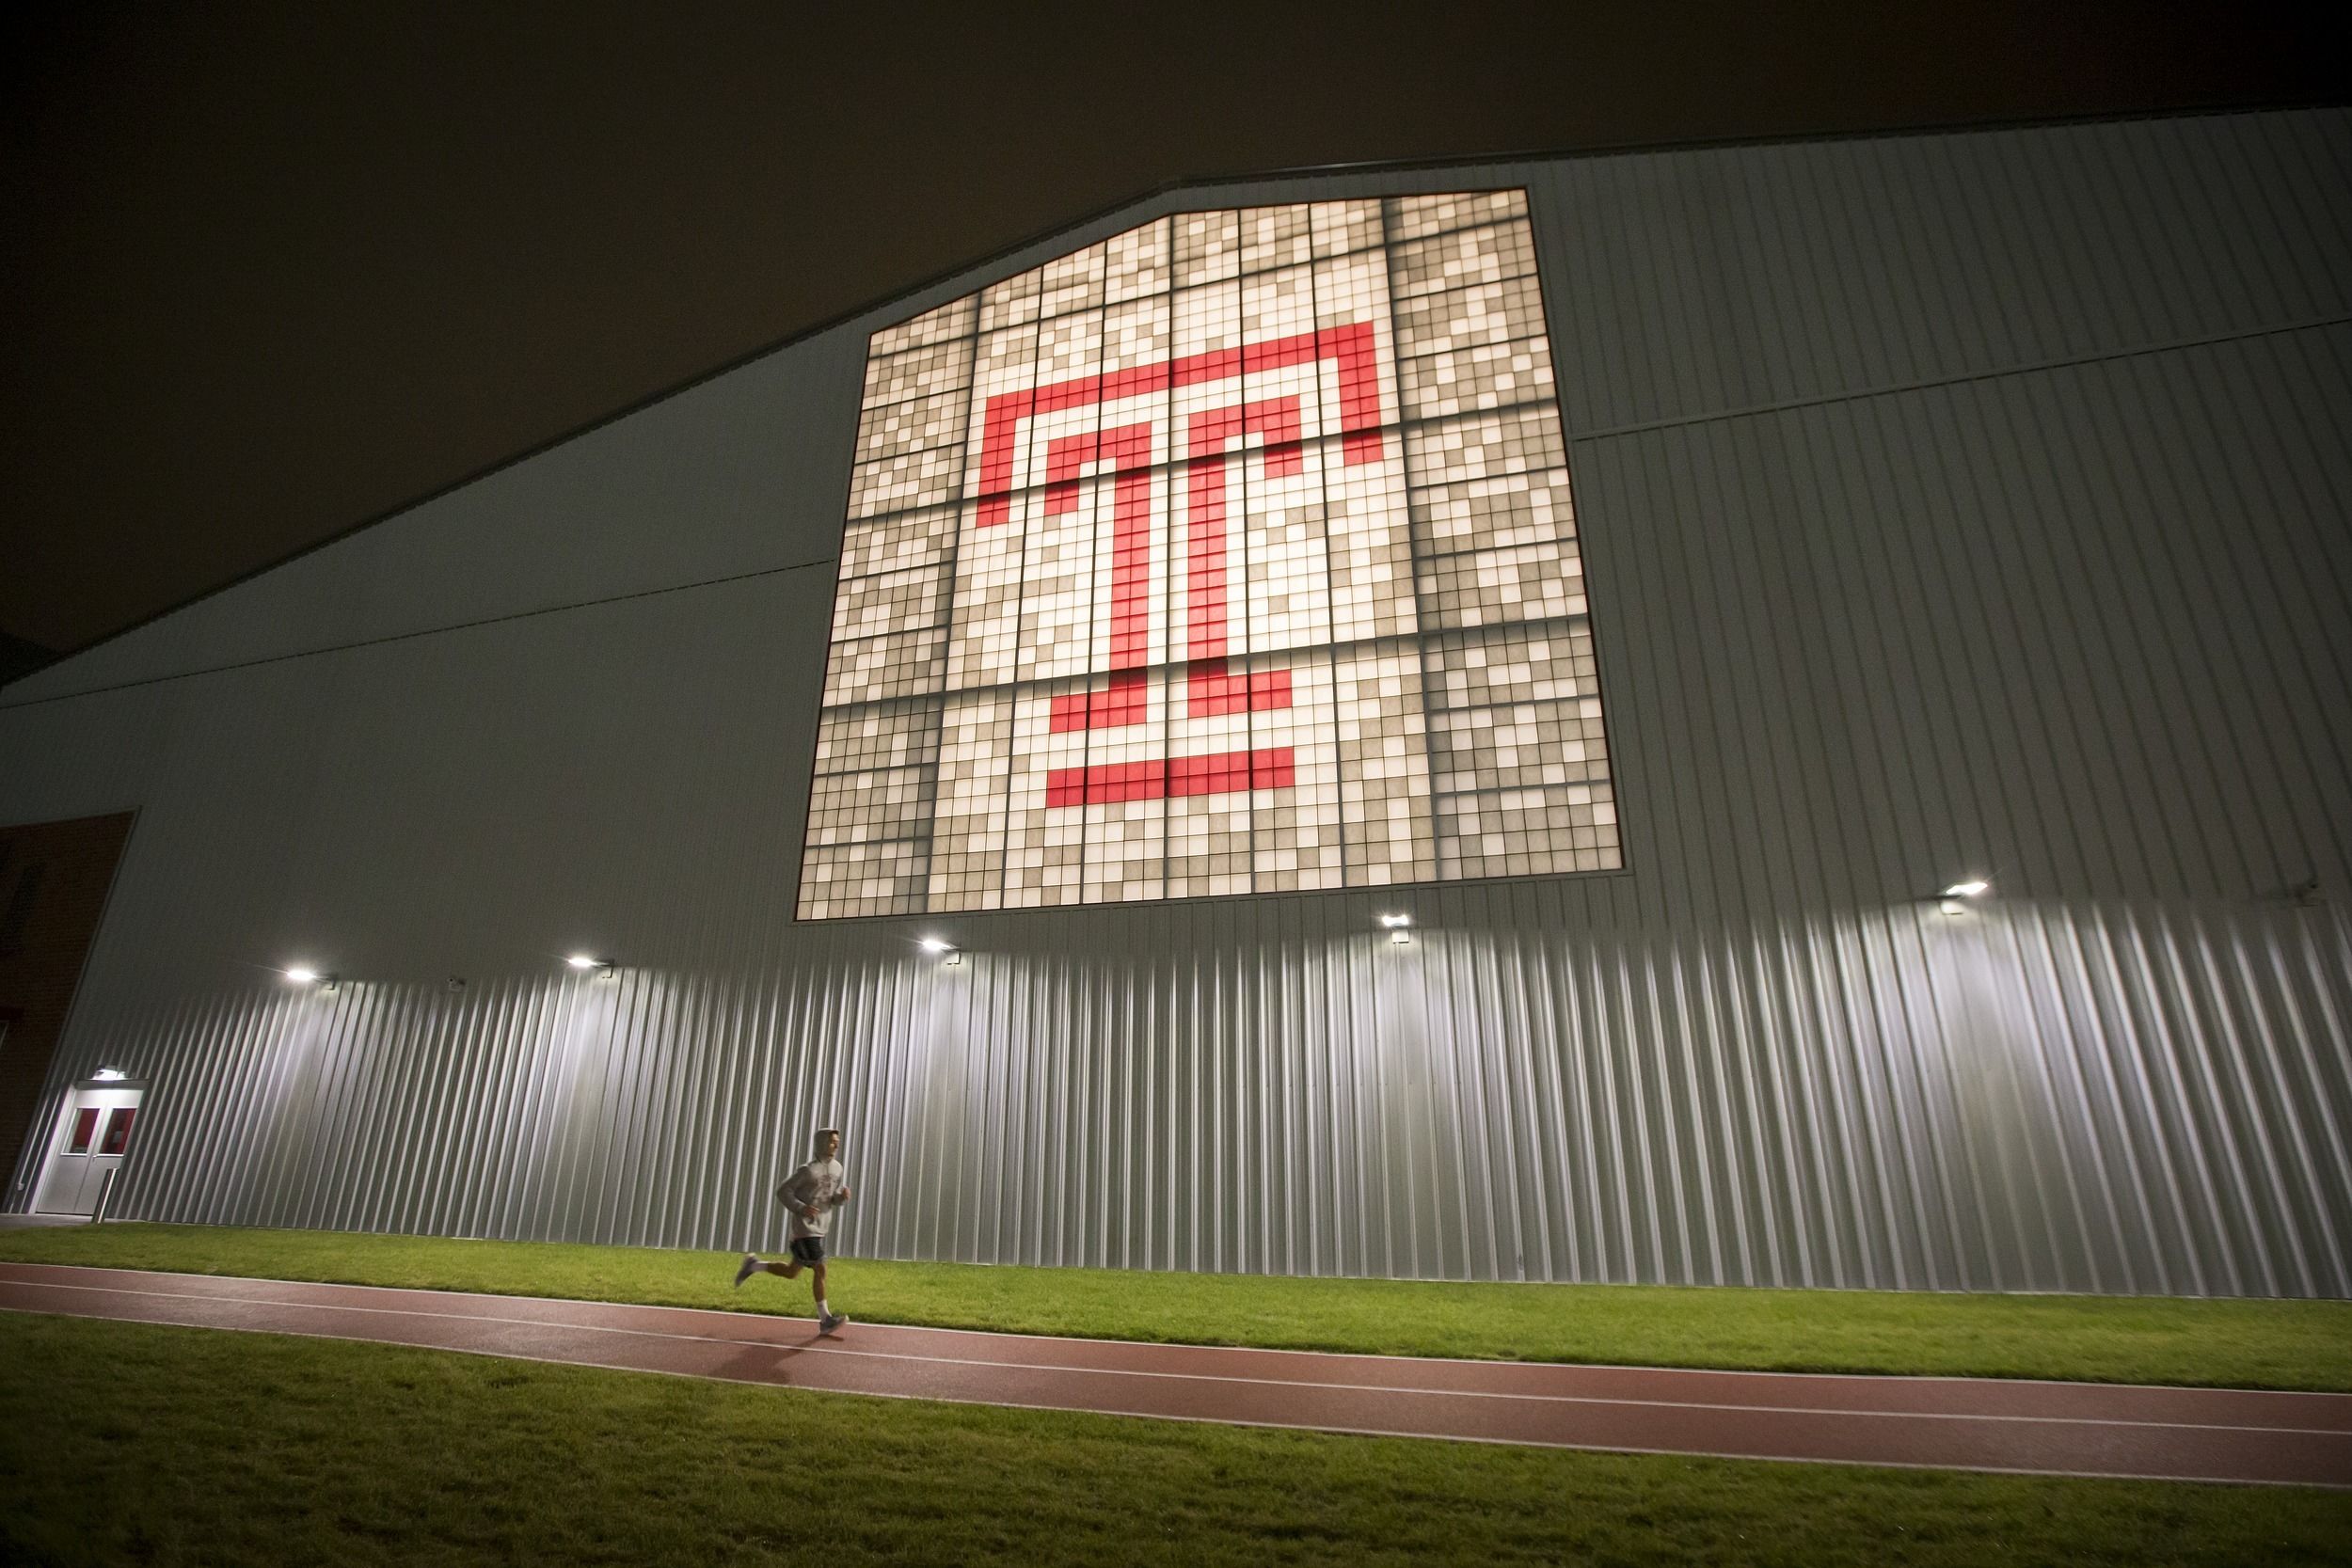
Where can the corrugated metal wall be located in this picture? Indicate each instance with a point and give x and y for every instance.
(1951, 503)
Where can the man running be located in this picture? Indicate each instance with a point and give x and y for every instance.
(811, 1195)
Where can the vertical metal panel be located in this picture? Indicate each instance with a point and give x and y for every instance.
(1951, 503)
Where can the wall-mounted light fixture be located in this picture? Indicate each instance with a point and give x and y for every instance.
(1974, 887)
(604, 967)
(950, 952)
(107, 1075)
(1393, 920)
(300, 975)
(1400, 929)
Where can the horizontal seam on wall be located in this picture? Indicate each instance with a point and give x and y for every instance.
(422, 631)
(1602, 434)
(2032, 367)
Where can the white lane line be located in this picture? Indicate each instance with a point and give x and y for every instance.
(1908, 1379)
(1179, 1377)
(789, 1390)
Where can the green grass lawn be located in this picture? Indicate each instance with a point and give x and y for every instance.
(131, 1442)
(2267, 1345)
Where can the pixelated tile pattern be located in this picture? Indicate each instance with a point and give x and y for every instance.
(878, 735)
(1233, 553)
(899, 541)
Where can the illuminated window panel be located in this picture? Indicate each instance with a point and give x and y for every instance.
(890, 602)
(878, 805)
(1462, 259)
(1414, 218)
(1484, 588)
(919, 373)
(1235, 553)
(1047, 790)
(1295, 803)
(899, 541)
(1513, 746)
(1336, 228)
(1478, 446)
(1527, 832)
(905, 482)
(1386, 826)
(1207, 248)
(1136, 264)
(1483, 376)
(1073, 283)
(878, 735)
(1272, 237)
(950, 323)
(846, 880)
(1511, 664)
(875, 668)
(1492, 513)
(966, 866)
(896, 429)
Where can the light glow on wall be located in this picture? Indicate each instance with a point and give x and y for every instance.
(1233, 554)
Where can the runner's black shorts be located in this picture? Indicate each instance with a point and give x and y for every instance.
(808, 1250)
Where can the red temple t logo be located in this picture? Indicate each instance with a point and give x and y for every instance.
(1231, 554)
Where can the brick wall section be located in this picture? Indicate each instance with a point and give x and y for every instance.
(54, 877)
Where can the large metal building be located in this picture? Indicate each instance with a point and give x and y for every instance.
(1007, 723)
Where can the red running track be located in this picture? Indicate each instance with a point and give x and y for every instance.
(2082, 1429)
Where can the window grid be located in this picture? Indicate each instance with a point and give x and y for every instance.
(1233, 553)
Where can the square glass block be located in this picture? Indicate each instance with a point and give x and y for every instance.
(985, 617)
(1274, 237)
(878, 735)
(1524, 833)
(1416, 217)
(1070, 348)
(891, 429)
(1387, 830)
(873, 806)
(1137, 263)
(1484, 375)
(1461, 259)
(1478, 445)
(891, 602)
(1207, 248)
(846, 880)
(1339, 227)
(1545, 661)
(968, 831)
(1295, 804)
(1367, 540)
(1462, 318)
(1045, 858)
(1123, 804)
(872, 670)
(1071, 282)
(941, 324)
(895, 543)
(919, 373)
(1484, 588)
(1515, 746)
(906, 483)
(1012, 302)
(1491, 514)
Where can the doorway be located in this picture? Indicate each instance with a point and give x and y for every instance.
(93, 1138)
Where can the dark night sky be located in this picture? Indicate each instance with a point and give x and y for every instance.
(271, 271)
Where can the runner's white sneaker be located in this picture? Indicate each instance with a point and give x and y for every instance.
(832, 1323)
(751, 1267)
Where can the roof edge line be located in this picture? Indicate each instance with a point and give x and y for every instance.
(1168, 187)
